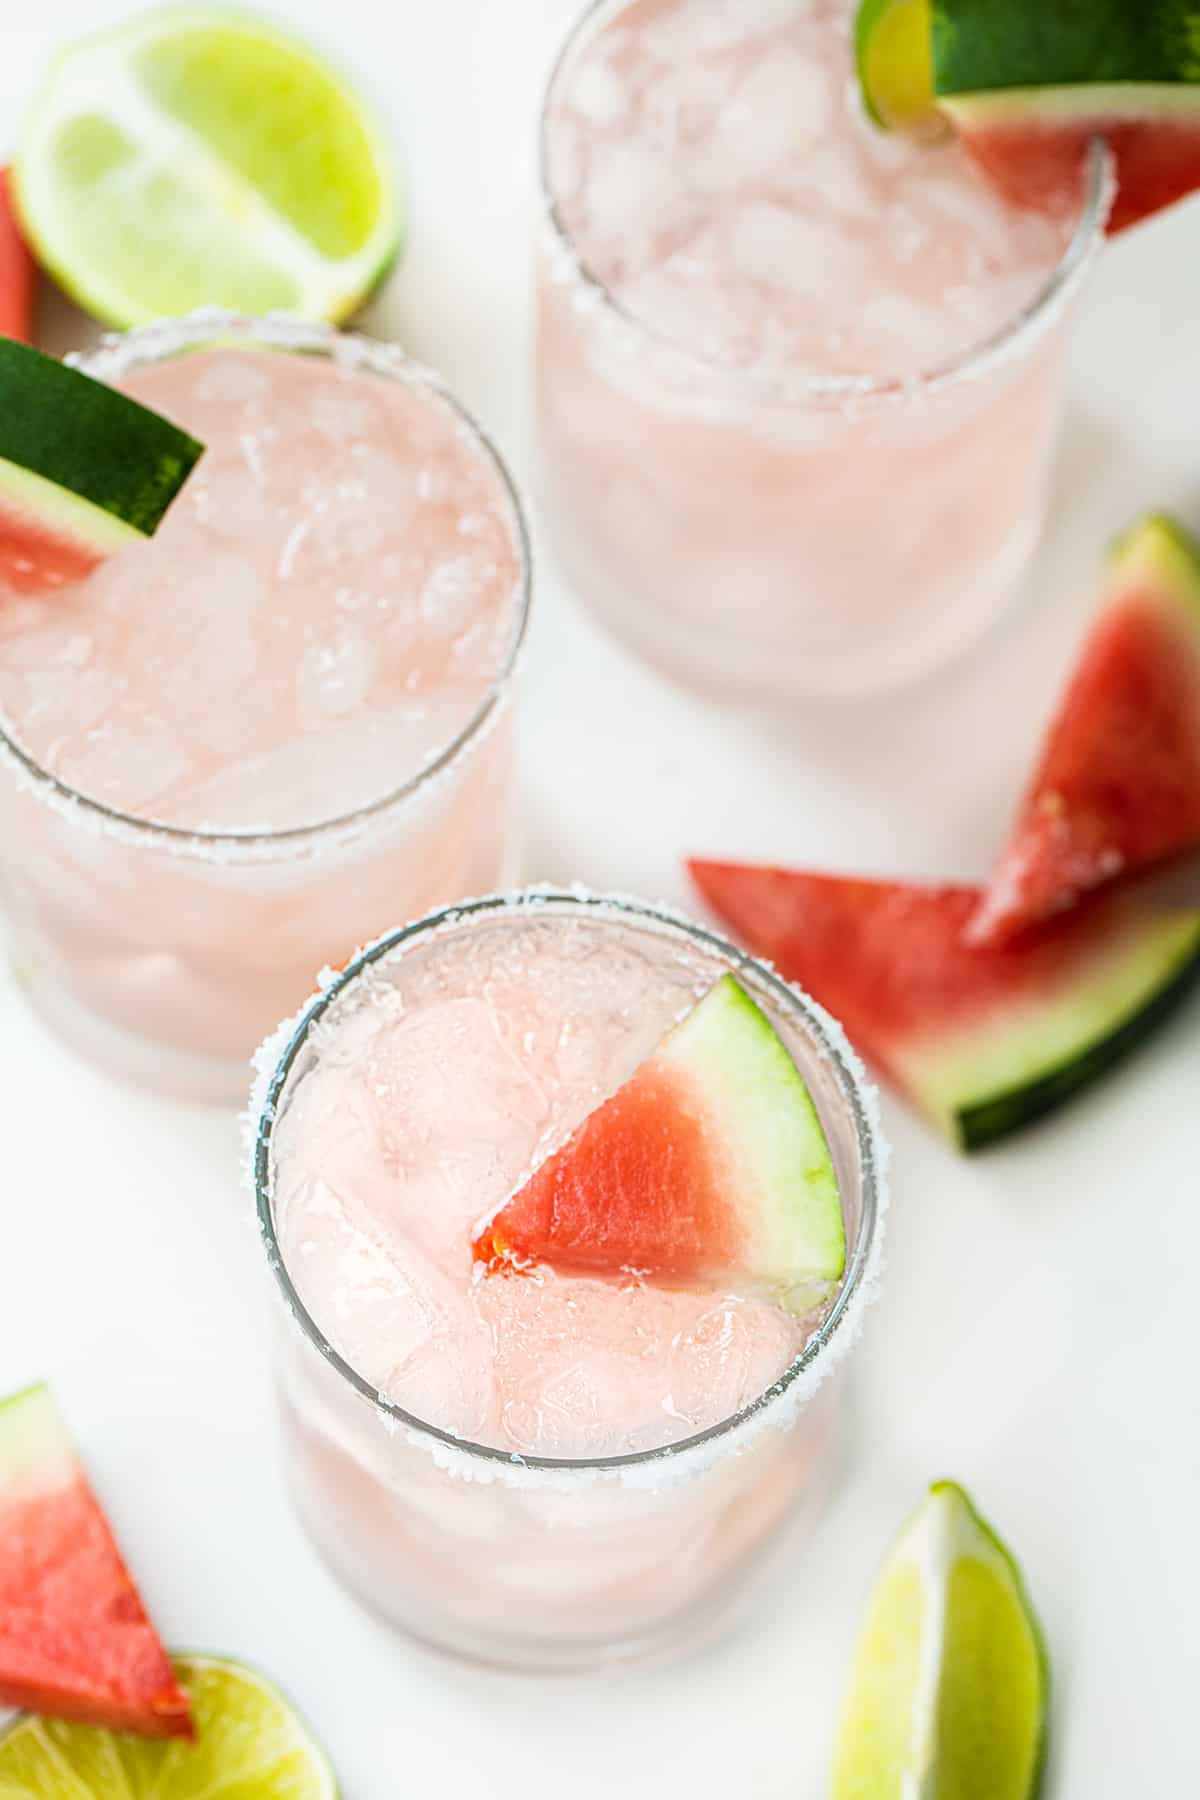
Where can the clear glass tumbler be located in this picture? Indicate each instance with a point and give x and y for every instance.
(525, 1560)
(765, 536)
(167, 953)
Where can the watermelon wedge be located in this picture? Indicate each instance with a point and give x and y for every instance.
(1118, 786)
(17, 273)
(1028, 84)
(75, 1641)
(84, 470)
(983, 1042)
(709, 1167)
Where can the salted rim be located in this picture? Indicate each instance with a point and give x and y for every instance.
(859, 1282)
(793, 389)
(119, 351)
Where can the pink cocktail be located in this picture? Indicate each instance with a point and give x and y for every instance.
(540, 1469)
(235, 751)
(798, 379)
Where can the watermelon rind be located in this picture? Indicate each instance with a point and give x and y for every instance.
(1103, 44)
(786, 1192)
(1013, 1069)
(1159, 548)
(80, 461)
(34, 1442)
(984, 1043)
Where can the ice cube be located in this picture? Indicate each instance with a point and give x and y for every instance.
(451, 594)
(683, 107)
(903, 335)
(343, 412)
(598, 94)
(335, 677)
(230, 378)
(128, 766)
(325, 774)
(761, 125)
(629, 199)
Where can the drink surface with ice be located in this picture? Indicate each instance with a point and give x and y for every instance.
(712, 164)
(320, 614)
(295, 698)
(459, 1069)
(412, 1101)
(738, 264)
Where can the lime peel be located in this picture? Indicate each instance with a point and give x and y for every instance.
(248, 1738)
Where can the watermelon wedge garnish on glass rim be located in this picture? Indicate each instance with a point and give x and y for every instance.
(1027, 84)
(75, 1641)
(982, 1041)
(1117, 789)
(708, 1168)
(84, 470)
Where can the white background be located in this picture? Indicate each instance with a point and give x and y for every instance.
(1037, 1336)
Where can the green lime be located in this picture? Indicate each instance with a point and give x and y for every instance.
(194, 157)
(894, 53)
(249, 1745)
(948, 1695)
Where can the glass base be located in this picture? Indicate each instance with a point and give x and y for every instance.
(714, 1614)
(204, 1080)
(737, 671)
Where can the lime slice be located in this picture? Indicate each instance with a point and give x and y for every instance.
(193, 157)
(949, 1690)
(249, 1745)
(894, 53)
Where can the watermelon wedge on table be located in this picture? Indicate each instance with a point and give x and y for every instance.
(983, 1042)
(1117, 789)
(17, 274)
(1028, 84)
(84, 470)
(75, 1641)
(708, 1167)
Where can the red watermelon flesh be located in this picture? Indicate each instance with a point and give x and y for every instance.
(1035, 159)
(708, 1167)
(75, 1641)
(17, 272)
(982, 1041)
(1118, 786)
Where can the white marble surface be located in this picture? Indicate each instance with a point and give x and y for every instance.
(1037, 1336)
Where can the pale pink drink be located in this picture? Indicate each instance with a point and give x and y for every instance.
(236, 751)
(539, 1470)
(798, 379)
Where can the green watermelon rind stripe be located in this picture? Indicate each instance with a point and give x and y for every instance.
(44, 507)
(89, 440)
(980, 46)
(979, 1092)
(33, 1437)
(759, 1103)
(1160, 552)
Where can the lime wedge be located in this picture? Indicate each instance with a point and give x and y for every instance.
(894, 54)
(192, 158)
(249, 1745)
(949, 1691)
